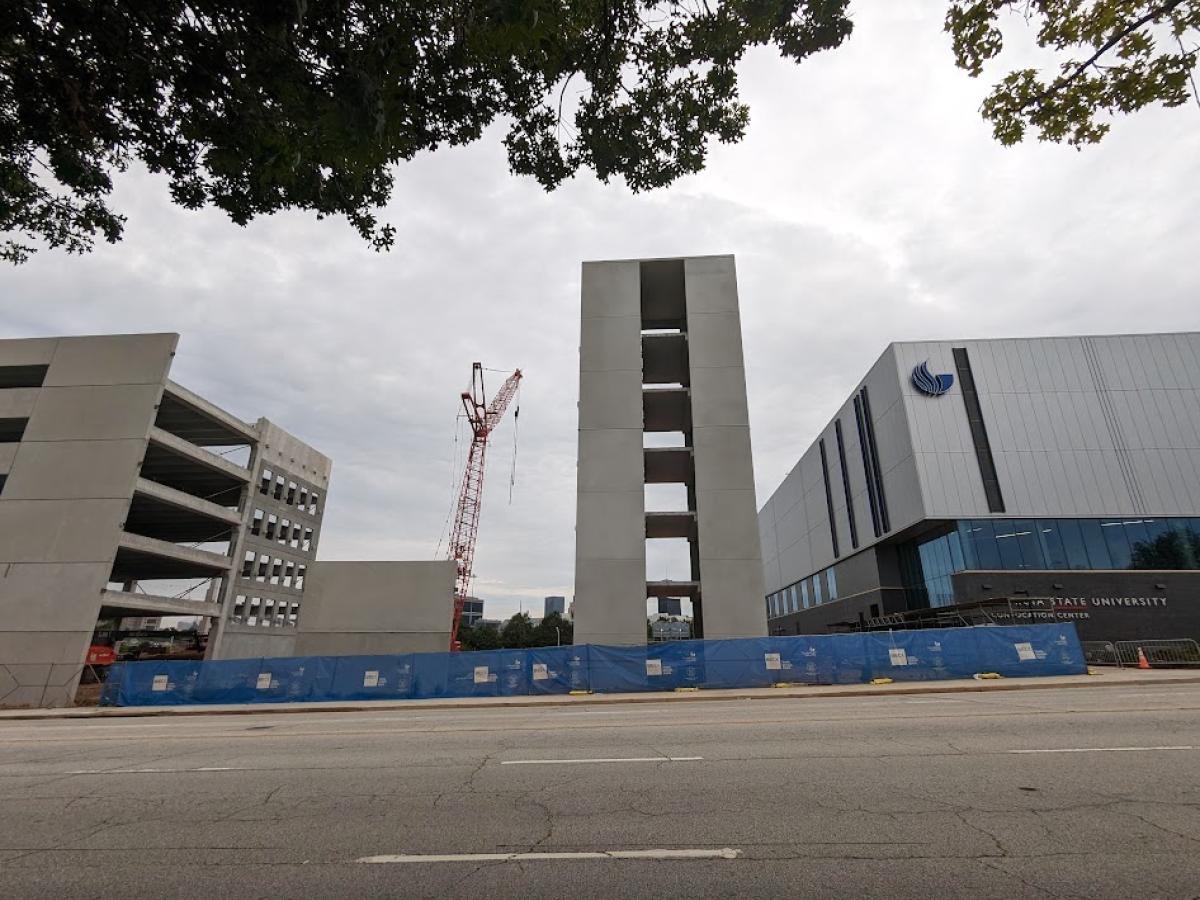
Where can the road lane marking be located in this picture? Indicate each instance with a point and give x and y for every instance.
(722, 853)
(1104, 749)
(618, 759)
(151, 771)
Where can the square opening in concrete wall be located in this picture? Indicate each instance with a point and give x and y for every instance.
(667, 497)
(663, 296)
(669, 559)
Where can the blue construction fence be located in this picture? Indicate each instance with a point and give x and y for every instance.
(924, 655)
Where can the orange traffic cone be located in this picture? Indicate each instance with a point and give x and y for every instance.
(1143, 663)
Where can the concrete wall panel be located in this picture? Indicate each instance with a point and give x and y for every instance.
(715, 339)
(18, 403)
(8, 453)
(112, 359)
(102, 413)
(611, 343)
(611, 525)
(723, 454)
(733, 598)
(728, 525)
(27, 351)
(711, 285)
(378, 596)
(606, 460)
(718, 396)
(74, 469)
(610, 399)
(44, 596)
(60, 531)
(610, 601)
(611, 289)
(242, 642)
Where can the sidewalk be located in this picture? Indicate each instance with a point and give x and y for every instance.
(1100, 678)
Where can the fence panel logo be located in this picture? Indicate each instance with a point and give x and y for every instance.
(928, 383)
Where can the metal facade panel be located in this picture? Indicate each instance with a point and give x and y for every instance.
(1078, 427)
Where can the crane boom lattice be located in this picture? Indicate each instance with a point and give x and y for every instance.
(483, 418)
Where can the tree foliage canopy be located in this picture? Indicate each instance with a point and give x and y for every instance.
(1116, 56)
(258, 107)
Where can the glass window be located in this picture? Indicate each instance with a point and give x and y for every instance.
(957, 561)
(1093, 540)
(816, 582)
(248, 564)
(804, 601)
(1074, 546)
(300, 570)
(256, 525)
(966, 544)
(1007, 543)
(832, 579)
(1113, 531)
(264, 484)
(303, 502)
(285, 528)
(272, 522)
(313, 499)
(291, 493)
(795, 597)
(1053, 553)
(1136, 532)
(1187, 542)
(278, 492)
(1156, 546)
(983, 536)
(307, 543)
(1030, 546)
(264, 563)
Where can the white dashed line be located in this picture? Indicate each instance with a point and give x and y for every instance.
(623, 759)
(1104, 749)
(723, 853)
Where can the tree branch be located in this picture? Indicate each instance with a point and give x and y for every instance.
(1129, 29)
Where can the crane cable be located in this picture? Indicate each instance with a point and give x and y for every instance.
(512, 476)
(458, 420)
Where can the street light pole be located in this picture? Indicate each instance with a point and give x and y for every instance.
(557, 636)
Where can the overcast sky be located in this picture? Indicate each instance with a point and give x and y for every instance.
(868, 204)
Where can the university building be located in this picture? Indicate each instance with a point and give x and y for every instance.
(1040, 479)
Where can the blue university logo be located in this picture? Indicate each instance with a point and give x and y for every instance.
(928, 383)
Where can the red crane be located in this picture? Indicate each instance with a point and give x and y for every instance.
(483, 421)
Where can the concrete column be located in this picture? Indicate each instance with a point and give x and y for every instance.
(730, 557)
(610, 559)
(674, 327)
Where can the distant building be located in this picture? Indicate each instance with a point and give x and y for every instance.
(555, 605)
(472, 613)
(1031, 479)
(117, 485)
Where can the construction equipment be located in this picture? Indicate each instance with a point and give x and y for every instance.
(483, 420)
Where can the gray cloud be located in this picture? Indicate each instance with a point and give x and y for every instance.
(868, 204)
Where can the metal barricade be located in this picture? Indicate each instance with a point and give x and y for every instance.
(1165, 653)
(1100, 653)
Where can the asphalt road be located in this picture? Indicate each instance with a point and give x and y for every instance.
(1050, 793)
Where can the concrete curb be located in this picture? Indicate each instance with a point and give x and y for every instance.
(823, 692)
